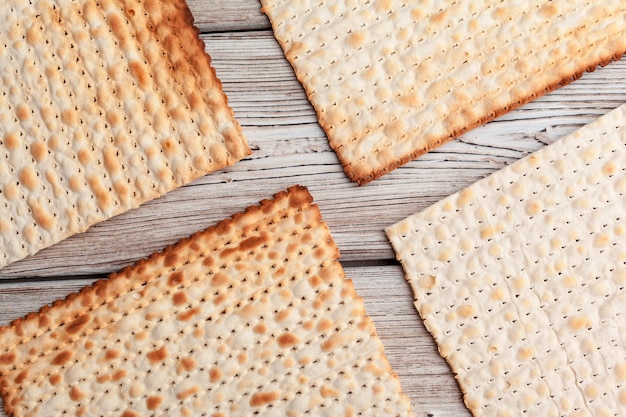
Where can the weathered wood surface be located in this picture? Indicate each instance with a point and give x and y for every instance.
(290, 148)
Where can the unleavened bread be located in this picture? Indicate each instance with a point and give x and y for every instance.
(393, 79)
(521, 278)
(252, 316)
(105, 105)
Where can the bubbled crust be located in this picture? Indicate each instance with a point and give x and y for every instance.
(252, 315)
(393, 79)
(521, 280)
(107, 104)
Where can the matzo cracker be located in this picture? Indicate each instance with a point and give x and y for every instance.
(521, 278)
(105, 105)
(252, 316)
(393, 79)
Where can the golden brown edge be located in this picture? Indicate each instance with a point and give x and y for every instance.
(194, 50)
(363, 177)
(205, 56)
(297, 195)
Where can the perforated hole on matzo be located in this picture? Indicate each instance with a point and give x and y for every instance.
(103, 105)
(253, 316)
(393, 79)
(521, 279)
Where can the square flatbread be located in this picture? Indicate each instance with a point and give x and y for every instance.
(104, 105)
(392, 79)
(252, 316)
(521, 279)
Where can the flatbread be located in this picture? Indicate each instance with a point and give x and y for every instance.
(105, 105)
(521, 278)
(252, 316)
(391, 79)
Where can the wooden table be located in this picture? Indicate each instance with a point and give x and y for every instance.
(290, 148)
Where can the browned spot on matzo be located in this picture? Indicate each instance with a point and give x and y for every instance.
(287, 340)
(62, 358)
(263, 398)
(175, 279)
(77, 324)
(7, 358)
(76, 394)
(152, 403)
(157, 355)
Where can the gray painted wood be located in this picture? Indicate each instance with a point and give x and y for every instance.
(290, 148)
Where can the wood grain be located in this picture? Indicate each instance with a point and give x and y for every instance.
(228, 16)
(289, 148)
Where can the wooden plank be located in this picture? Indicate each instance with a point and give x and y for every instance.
(224, 16)
(290, 147)
(412, 352)
(424, 375)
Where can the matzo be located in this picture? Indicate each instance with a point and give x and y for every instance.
(521, 278)
(392, 79)
(105, 105)
(252, 316)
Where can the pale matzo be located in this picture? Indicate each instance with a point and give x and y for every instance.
(253, 316)
(104, 105)
(392, 79)
(521, 279)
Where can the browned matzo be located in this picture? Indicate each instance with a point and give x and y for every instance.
(104, 105)
(252, 316)
(392, 79)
